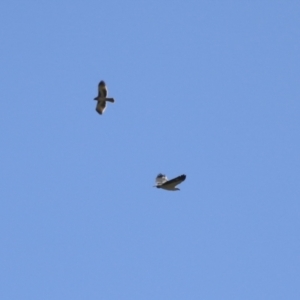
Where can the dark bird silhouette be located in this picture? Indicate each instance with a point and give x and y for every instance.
(102, 97)
(162, 182)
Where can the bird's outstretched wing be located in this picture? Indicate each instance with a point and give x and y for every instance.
(100, 108)
(175, 181)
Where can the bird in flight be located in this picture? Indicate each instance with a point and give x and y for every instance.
(162, 182)
(102, 97)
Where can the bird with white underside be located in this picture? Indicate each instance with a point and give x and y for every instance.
(162, 182)
(102, 97)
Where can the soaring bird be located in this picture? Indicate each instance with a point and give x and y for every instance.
(102, 97)
(162, 182)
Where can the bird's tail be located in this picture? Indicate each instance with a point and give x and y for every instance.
(112, 100)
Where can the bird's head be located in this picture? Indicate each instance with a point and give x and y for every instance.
(102, 83)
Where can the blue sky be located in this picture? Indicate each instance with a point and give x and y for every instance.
(209, 89)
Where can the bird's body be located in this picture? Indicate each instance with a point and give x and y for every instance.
(102, 97)
(162, 182)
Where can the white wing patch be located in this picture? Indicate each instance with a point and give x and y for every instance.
(161, 179)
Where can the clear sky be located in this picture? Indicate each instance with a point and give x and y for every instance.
(210, 89)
